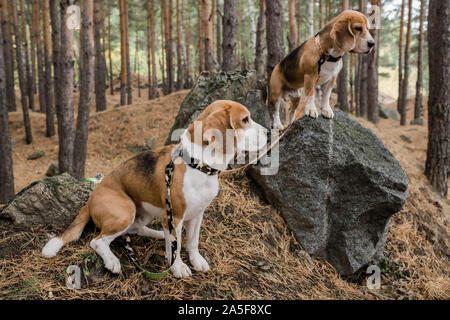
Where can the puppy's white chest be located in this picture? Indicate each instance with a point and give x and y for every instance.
(199, 190)
(329, 71)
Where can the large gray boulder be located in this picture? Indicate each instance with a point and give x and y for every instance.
(52, 201)
(243, 87)
(336, 186)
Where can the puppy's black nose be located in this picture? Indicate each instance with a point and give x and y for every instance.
(371, 44)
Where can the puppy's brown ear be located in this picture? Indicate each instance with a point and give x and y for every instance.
(343, 35)
(215, 128)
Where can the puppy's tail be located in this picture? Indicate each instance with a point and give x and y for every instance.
(72, 233)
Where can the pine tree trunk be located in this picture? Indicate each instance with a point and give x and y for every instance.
(33, 63)
(418, 101)
(9, 56)
(123, 50)
(21, 72)
(252, 25)
(351, 76)
(357, 83)
(188, 80)
(6, 168)
(364, 65)
(201, 43)
(26, 49)
(219, 34)
(298, 17)
(259, 51)
(111, 76)
(152, 81)
(48, 86)
(67, 132)
(400, 57)
(100, 62)
(167, 8)
(208, 34)
(180, 69)
(86, 79)
(437, 166)
(229, 44)
(311, 18)
(39, 55)
(127, 47)
(293, 29)
(56, 44)
(404, 98)
(372, 83)
(275, 43)
(320, 15)
(343, 76)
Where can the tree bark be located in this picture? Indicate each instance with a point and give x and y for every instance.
(342, 78)
(111, 76)
(404, 92)
(180, 69)
(275, 43)
(419, 83)
(56, 44)
(48, 85)
(26, 49)
(293, 29)
(252, 25)
(208, 34)
(127, 47)
(229, 44)
(260, 48)
(67, 132)
(364, 65)
(21, 72)
(6, 165)
(9, 56)
(123, 50)
(201, 43)
(39, 56)
(437, 166)
(400, 57)
(298, 17)
(86, 77)
(167, 8)
(219, 34)
(100, 62)
(372, 83)
(152, 81)
(311, 18)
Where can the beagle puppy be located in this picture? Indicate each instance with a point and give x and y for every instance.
(320, 55)
(134, 193)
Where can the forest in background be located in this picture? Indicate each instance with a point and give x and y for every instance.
(54, 48)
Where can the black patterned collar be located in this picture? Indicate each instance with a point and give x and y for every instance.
(194, 163)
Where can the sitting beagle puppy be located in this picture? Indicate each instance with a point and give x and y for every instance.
(320, 55)
(135, 192)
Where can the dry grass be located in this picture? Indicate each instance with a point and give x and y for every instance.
(251, 252)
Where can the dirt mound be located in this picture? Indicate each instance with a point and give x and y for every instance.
(251, 252)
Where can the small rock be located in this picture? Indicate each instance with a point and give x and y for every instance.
(53, 170)
(388, 113)
(36, 155)
(417, 122)
(405, 138)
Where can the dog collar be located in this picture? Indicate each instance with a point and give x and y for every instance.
(324, 56)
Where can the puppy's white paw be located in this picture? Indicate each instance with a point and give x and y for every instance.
(112, 263)
(327, 112)
(181, 270)
(199, 263)
(311, 111)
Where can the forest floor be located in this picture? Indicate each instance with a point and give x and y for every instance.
(251, 252)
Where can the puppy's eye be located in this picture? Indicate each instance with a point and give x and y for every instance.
(358, 29)
(245, 120)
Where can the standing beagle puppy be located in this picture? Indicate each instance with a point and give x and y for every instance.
(320, 55)
(134, 193)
